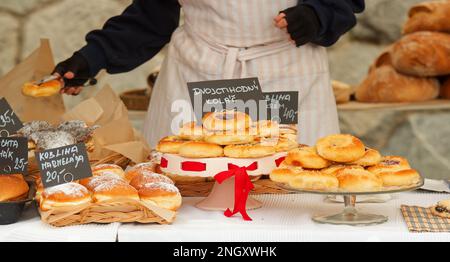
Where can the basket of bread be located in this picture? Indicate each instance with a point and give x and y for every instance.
(111, 195)
(342, 164)
(199, 152)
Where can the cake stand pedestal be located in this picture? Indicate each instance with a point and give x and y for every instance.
(221, 198)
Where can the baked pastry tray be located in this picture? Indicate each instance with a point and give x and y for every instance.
(350, 215)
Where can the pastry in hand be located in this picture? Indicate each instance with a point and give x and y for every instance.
(442, 209)
(47, 89)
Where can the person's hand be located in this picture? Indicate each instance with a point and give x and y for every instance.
(74, 73)
(301, 22)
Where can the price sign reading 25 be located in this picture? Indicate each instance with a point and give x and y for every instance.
(63, 165)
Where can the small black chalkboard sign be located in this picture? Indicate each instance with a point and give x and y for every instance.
(218, 95)
(63, 165)
(283, 107)
(13, 155)
(9, 122)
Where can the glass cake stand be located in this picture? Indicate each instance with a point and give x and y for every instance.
(350, 214)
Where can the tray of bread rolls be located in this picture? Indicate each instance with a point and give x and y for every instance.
(199, 152)
(111, 195)
(343, 165)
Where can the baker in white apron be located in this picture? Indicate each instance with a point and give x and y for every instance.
(224, 40)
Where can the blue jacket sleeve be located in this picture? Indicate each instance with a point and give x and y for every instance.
(336, 17)
(132, 38)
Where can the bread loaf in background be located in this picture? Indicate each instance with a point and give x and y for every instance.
(385, 85)
(429, 16)
(425, 54)
(445, 89)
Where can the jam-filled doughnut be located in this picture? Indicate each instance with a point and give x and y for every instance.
(306, 157)
(390, 164)
(44, 90)
(341, 148)
(226, 121)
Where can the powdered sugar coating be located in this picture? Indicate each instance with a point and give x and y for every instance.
(69, 189)
(106, 184)
(150, 176)
(52, 139)
(35, 126)
(163, 186)
(78, 129)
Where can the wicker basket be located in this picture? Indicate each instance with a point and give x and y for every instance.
(137, 100)
(202, 189)
(123, 211)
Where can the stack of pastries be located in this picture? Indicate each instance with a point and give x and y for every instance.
(341, 163)
(109, 184)
(230, 134)
(43, 136)
(417, 67)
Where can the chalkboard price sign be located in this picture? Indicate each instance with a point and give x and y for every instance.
(63, 165)
(283, 107)
(242, 95)
(13, 156)
(9, 122)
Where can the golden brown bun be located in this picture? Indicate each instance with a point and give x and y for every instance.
(385, 85)
(161, 194)
(227, 121)
(46, 89)
(371, 158)
(139, 168)
(108, 169)
(314, 180)
(170, 145)
(266, 128)
(403, 178)
(192, 132)
(249, 151)
(357, 180)
(227, 138)
(334, 170)
(13, 187)
(390, 164)
(445, 89)
(342, 92)
(341, 148)
(92, 182)
(147, 177)
(197, 149)
(283, 175)
(65, 195)
(306, 157)
(429, 16)
(422, 54)
(114, 190)
(282, 144)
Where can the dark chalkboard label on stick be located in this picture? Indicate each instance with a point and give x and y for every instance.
(63, 165)
(243, 95)
(9, 122)
(283, 107)
(13, 156)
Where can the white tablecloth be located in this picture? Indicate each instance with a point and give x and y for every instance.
(31, 229)
(286, 218)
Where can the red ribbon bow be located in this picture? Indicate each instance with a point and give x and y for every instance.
(242, 187)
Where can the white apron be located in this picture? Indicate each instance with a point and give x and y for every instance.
(236, 39)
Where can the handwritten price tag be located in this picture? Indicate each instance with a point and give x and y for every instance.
(9, 122)
(283, 107)
(13, 156)
(63, 165)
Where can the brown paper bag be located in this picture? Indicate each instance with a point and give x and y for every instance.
(34, 67)
(116, 134)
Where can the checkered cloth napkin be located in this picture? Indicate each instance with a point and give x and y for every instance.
(420, 219)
